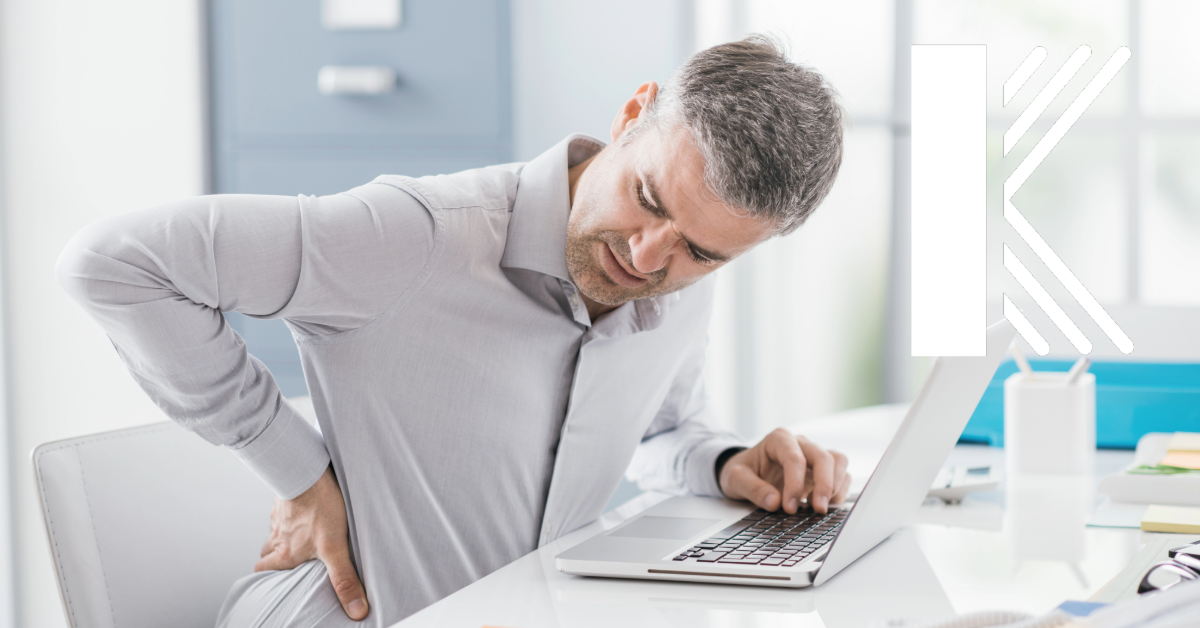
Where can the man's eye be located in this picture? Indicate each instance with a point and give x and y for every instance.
(646, 204)
(641, 196)
(698, 258)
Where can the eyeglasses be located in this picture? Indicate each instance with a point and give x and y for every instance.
(1184, 564)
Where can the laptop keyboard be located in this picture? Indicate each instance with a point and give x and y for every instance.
(774, 539)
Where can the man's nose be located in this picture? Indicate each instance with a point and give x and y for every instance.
(651, 247)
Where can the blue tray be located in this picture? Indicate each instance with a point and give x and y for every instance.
(1132, 399)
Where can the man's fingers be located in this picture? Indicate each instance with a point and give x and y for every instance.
(841, 479)
(747, 485)
(273, 561)
(781, 447)
(823, 467)
(273, 532)
(843, 490)
(345, 582)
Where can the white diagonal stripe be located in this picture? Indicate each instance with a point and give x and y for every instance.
(1046, 302)
(1024, 71)
(1025, 328)
(1068, 279)
(1027, 232)
(1045, 97)
(1064, 123)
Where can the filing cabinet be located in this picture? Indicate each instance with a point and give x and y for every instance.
(319, 96)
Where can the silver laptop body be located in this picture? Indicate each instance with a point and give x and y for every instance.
(688, 538)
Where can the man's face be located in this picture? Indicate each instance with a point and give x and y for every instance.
(644, 224)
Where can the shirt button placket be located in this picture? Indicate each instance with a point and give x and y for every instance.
(573, 298)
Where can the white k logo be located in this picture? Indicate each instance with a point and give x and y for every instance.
(949, 192)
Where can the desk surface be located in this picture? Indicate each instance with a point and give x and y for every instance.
(1022, 547)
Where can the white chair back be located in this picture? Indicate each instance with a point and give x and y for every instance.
(149, 526)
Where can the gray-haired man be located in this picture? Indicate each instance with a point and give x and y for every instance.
(487, 351)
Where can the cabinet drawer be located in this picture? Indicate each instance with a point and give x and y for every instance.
(450, 59)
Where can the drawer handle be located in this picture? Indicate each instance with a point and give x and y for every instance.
(364, 80)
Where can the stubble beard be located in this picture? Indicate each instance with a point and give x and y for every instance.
(589, 275)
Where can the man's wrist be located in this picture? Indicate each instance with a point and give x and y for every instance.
(721, 460)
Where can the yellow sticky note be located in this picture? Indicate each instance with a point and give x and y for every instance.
(1184, 441)
(1180, 519)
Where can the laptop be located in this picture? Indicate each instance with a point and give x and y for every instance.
(704, 539)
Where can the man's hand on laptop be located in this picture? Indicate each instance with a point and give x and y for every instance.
(786, 469)
(313, 525)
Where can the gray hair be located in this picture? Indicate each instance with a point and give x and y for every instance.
(770, 130)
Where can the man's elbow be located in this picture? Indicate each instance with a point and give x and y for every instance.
(85, 263)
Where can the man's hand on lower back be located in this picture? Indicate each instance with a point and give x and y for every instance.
(313, 525)
(784, 470)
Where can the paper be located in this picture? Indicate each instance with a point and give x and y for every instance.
(1184, 441)
(1182, 459)
(1179, 519)
(1113, 514)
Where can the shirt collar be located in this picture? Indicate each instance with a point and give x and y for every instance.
(537, 228)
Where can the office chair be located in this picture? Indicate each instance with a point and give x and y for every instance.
(148, 526)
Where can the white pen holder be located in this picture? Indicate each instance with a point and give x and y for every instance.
(1049, 424)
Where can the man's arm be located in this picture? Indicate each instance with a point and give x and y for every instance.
(679, 451)
(157, 281)
(681, 454)
(722, 458)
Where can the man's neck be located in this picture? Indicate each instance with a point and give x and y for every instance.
(573, 174)
(595, 310)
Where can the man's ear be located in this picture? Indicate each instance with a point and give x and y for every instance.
(631, 112)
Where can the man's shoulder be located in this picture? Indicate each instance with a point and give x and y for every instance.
(490, 188)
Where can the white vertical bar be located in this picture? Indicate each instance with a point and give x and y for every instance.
(948, 200)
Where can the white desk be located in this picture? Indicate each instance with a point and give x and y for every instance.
(973, 556)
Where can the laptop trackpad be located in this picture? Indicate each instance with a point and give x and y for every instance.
(674, 528)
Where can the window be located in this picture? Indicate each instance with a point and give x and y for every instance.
(801, 320)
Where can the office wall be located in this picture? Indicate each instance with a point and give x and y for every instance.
(101, 107)
(576, 63)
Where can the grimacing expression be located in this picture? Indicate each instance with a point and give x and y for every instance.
(644, 224)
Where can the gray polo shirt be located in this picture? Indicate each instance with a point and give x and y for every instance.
(471, 409)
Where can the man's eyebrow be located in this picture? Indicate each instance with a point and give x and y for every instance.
(651, 194)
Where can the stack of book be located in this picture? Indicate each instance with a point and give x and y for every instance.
(1166, 473)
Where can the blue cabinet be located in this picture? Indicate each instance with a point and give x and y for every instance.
(275, 132)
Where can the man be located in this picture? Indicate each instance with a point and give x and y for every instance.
(487, 351)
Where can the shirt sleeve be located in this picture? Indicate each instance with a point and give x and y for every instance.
(678, 452)
(157, 281)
